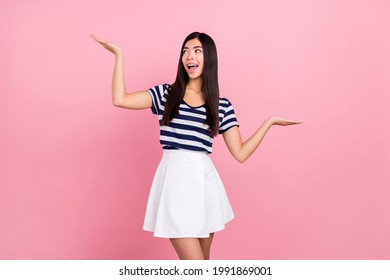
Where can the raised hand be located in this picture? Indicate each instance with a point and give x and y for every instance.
(115, 49)
(282, 121)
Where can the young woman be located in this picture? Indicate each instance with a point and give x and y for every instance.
(187, 201)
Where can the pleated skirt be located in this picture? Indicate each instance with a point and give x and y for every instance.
(187, 197)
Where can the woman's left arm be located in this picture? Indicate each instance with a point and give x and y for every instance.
(242, 150)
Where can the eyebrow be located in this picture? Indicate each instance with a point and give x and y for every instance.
(196, 47)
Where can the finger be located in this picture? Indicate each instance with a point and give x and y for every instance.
(96, 38)
(287, 122)
(294, 122)
(291, 121)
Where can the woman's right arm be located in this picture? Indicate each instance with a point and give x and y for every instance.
(135, 100)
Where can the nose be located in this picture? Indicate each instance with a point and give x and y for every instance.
(190, 56)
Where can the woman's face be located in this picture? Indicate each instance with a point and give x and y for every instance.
(192, 58)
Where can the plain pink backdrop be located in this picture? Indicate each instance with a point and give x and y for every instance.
(75, 171)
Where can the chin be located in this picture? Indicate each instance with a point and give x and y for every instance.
(193, 77)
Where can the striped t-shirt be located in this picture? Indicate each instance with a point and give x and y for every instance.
(188, 131)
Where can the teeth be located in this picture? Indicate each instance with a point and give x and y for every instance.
(191, 65)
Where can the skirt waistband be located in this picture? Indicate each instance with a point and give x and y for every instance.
(183, 155)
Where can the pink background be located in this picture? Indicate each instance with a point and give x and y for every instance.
(75, 170)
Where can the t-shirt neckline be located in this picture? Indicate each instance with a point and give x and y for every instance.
(194, 107)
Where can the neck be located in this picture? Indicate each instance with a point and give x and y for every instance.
(195, 84)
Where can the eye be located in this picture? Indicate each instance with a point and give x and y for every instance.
(185, 52)
(198, 50)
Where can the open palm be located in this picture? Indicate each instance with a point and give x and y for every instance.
(282, 121)
(115, 49)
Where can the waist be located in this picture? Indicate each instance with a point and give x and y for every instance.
(184, 155)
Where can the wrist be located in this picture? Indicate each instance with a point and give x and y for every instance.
(118, 53)
(269, 122)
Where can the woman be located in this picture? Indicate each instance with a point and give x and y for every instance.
(187, 201)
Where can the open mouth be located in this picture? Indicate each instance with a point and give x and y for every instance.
(192, 66)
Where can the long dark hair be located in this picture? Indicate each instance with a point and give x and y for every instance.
(210, 86)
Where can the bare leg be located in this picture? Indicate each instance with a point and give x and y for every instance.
(188, 248)
(205, 244)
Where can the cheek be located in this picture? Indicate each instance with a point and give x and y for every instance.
(200, 58)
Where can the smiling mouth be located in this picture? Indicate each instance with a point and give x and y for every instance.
(192, 66)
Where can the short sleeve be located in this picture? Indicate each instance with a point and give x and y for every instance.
(227, 117)
(158, 94)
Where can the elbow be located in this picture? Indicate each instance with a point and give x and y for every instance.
(118, 99)
(116, 103)
(240, 159)
(240, 155)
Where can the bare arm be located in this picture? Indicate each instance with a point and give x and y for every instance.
(242, 150)
(120, 98)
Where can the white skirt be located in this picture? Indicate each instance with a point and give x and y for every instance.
(187, 197)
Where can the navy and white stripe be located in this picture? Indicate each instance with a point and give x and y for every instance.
(187, 131)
